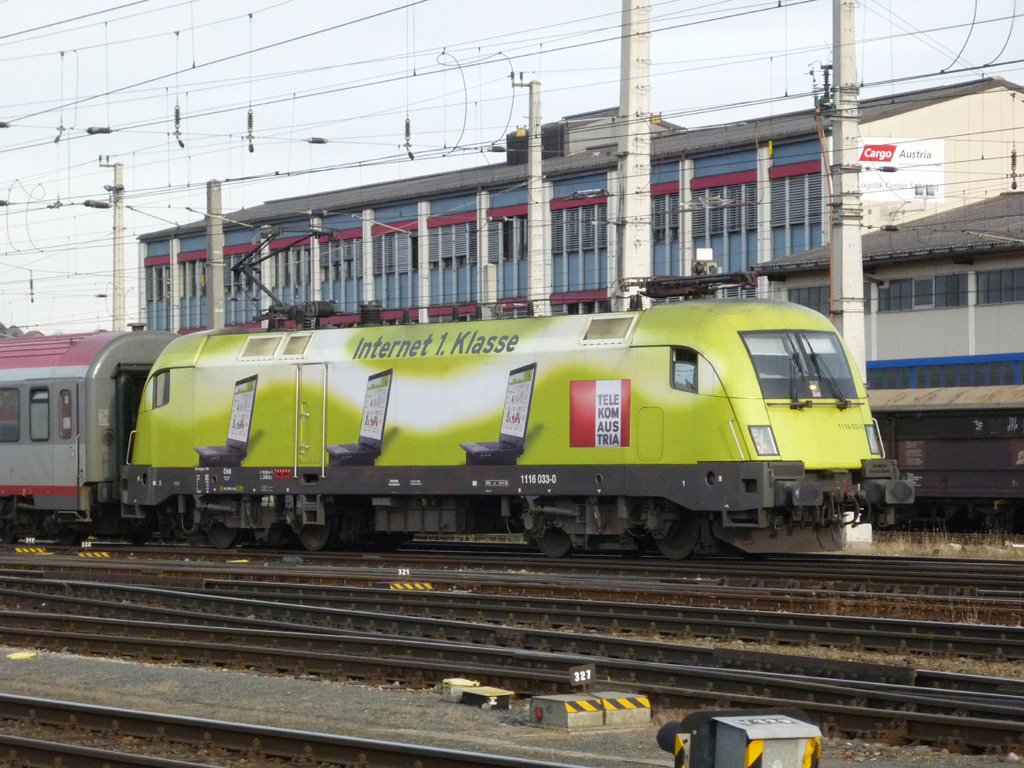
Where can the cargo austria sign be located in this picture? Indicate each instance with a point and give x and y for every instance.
(901, 170)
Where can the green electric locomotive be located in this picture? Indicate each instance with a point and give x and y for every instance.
(683, 426)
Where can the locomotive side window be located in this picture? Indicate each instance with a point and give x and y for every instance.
(64, 404)
(684, 370)
(161, 386)
(39, 414)
(10, 416)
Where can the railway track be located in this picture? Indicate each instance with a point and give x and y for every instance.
(527, 621)
(977, 592)
(274, 636)
(54, 733)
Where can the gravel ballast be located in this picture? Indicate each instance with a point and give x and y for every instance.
(384, 713)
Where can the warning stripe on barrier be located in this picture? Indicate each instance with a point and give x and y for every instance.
(582, 705)
(405, 585)
(755, 753)
(94, 554)
(31, 550)
(812, 753)
(627, 702)
(682, 750)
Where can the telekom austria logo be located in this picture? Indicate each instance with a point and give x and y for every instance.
(878, 153)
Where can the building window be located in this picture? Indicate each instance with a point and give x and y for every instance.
(936, 292)
(813, 296)
(158, 296)
(1001, 286)
(242, 298)
(395, 269)
(796, 214)
(508, 249)
(579, 248)
(951, 374)
(665, 218)
(724, 219)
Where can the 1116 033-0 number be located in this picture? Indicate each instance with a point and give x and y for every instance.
(538, 479)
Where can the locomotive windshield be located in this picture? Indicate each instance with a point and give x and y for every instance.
(800, 366)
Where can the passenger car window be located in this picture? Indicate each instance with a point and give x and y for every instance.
(64, 403)
(39, 414)
(10, 416)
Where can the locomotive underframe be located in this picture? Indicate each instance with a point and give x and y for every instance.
(95, 511)
(755, 506)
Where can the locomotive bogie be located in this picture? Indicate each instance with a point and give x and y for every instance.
(680, 425)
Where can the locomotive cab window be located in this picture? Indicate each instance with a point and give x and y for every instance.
(39, 415)
(10, 416)
(684, 369)
(160, 389)
(800, 365)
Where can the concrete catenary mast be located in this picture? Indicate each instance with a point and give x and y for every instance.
(634, 168)
(847, 270)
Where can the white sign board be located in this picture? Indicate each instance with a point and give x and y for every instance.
(901, 170)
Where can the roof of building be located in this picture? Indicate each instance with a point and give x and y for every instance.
(989, 227)
(670, 143)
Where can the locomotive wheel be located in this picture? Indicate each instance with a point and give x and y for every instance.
(314, 538)
(69, 537)
(139, 534)
(554, 542)
(680, 538)
(221, 537)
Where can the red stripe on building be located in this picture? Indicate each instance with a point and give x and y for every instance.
(445, 219)
(508, 210)
(156, 261)
(794, 169)
(234, 250)
(191, 256)
(571, 296)
(724, 179)
(353, 233)
(464, 309)
(404, 226)
(577, 202)
(287, 242)
(664, 188)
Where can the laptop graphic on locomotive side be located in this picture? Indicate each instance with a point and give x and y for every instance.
(231, 454)
(371, 426)
(511, 440)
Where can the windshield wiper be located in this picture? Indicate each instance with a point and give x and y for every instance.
(830, 383)
(795, 375)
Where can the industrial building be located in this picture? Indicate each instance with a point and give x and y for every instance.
(943, 242)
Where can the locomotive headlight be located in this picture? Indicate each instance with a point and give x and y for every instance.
(764, 440)
(874, 441)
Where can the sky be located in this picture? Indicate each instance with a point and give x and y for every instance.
(279, 98)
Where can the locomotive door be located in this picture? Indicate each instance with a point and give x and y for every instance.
(310, 415)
